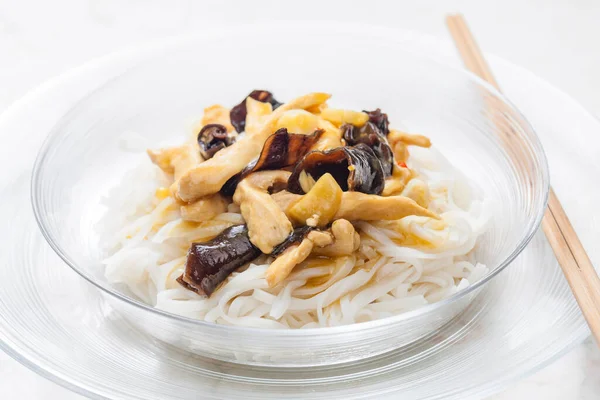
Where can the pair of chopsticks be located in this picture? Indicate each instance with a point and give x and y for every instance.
(567, 247)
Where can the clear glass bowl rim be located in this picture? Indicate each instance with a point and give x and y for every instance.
(364, 30)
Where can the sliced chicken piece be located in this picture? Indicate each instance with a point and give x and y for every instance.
(320, 238)
(408, 139)
(399, 141)
(295, 254)
(346, 240)
(257, 113)
(317, 109)
(393, 187)
(186, 160)
(366, 207)
(369, 207)
(400, 152)
(162, 158)
(330, 139)
(204, 209)
(208, 177)
(217, 114)
(395, 184)
(285, 263)
(176, 160)
(268, 225)
(285, 199)
(299, 121)
(417, 190)
(339, 117)
(265, 180)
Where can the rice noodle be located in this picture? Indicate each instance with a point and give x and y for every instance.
(148, 245)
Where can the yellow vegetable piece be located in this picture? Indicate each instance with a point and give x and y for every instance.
(298, 121)
(320, 204)
(339, 117)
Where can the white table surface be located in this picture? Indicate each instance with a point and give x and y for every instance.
(556, 39)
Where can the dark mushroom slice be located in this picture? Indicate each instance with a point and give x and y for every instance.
(237, 115)
(228, 189)
(210, 263)
(371, 135)
(187, 285)
(354, 169)
(212, 138)
(282, 149)
(380, 120)
(295, 237)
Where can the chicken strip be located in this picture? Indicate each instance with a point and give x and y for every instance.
(295, 254)
(268, 225)
(346, 240)
(395, 184)
(320, 238)
(338, 117)
(285, 199)
(176, 160)
(369, 207)
(330, 139)
(408, 139)
(265, 180)
(299, 121)
(257, 113)
(208, 177)
(217, 114)
(399, 141)
(400, 152)
(285, 263)
(204, 209)
(366, 207)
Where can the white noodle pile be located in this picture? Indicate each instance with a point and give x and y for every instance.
(148, 246)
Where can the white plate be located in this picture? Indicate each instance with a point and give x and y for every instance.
(57, 324)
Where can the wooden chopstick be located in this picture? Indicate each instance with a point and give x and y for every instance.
(567, 247)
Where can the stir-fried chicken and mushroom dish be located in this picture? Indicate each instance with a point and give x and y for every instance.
(303, 200)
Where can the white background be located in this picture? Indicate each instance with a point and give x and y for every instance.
(556, 39)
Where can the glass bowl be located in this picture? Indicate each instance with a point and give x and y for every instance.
(160, 98)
